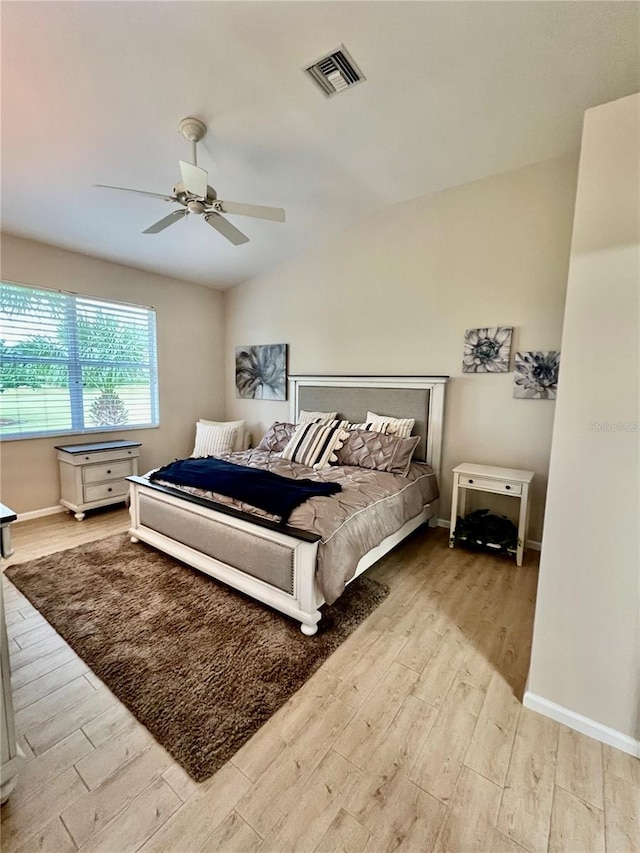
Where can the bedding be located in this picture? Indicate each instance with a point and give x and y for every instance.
(276, 437)
(400, 427)
(316, 444)
(240, 441)
(214, 439)
(368, 449)
(276, 494)
(371, 506)
(316, 417)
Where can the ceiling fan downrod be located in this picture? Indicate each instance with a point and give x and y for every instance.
(193, 130)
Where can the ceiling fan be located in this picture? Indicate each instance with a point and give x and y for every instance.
(196, 196)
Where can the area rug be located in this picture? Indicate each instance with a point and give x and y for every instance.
(200, 665)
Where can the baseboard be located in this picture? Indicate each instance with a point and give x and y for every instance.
(39, 513)
(581, 724)
(531, 543)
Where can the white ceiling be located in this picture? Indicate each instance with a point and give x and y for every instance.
(92, 92)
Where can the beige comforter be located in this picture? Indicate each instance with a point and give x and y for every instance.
(371, 506)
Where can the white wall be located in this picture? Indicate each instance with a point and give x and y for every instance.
(190, 356)
(585, 654)
(396, 293)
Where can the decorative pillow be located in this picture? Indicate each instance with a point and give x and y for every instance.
(240, 437)
(315, 444)
(375, 450)
(212, 440)
(276, 437)
(400, 427)
(316, 417)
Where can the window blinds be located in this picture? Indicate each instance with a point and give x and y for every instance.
(74, 364)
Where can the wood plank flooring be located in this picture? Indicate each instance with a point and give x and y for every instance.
(411, 737)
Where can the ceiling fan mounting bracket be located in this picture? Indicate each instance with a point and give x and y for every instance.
(192, 129)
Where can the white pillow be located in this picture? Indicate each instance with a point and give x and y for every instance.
(400, 427)
(212, 440)
(239, 443)
(316, 417)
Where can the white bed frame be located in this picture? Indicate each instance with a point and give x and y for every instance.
(305, 600)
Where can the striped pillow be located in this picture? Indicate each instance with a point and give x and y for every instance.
(400, 427)
(315, 444)
(315, 417)
(214, 440)
(239, 442)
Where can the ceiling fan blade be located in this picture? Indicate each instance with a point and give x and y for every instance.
(226, 228)
(259, 211)
(194, 179)
(166, 222)
(137, 192)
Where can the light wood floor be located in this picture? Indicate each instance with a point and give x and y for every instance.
(410, 737)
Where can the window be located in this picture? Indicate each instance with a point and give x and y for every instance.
(74, 364)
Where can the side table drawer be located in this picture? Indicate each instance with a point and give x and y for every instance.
(104, 490)
(99, 456)
(488, 485)
(108, 471)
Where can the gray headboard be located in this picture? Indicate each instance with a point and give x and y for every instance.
(418, 397)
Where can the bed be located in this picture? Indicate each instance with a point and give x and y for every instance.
(297, 567)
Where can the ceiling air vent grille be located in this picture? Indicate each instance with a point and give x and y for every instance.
(335, 72)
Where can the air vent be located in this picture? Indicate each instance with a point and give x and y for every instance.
(335, 72)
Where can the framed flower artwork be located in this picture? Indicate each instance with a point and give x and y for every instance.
(536, 375)
(487, 350)
(261, 372)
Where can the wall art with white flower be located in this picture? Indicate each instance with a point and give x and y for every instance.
(261, 372)
(487, 350)
(536, 375)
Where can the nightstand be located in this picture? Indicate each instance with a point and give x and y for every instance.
(498, 481)
(93, 475)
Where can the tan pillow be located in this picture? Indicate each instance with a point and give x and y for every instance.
(276, 437)
(238, 443)
(400, 427)
(377, 451)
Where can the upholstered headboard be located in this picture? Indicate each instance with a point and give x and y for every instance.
(418, 397)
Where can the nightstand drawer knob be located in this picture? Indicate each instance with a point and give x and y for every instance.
(470, 481)
(109, 471)
(109, 489)
(507, 487)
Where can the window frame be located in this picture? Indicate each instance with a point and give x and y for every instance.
(75, 364)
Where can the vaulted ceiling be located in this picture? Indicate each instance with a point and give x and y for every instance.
(92, 92)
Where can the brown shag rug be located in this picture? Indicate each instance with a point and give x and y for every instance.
(200, 665)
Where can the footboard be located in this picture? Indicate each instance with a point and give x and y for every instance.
(274, 565)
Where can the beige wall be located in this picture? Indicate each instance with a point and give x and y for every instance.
(586, 646)
(396, 293)
(190, 355)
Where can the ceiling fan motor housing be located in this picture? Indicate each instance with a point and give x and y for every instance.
(192, 129)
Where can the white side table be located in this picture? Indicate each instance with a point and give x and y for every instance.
(499, 481)
(93, 475)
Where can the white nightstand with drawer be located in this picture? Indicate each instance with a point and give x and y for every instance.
(93, 475)
(501, 481)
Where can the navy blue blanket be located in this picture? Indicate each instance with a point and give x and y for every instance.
(263, 489)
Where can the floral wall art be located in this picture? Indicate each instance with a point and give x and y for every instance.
(536, 375)
(261, 372)
(487, 350)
